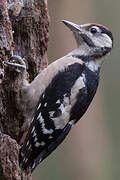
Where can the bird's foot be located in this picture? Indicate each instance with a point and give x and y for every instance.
(16, 63)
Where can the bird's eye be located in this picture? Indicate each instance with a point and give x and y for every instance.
(93, 30)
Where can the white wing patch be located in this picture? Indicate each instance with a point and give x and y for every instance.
(39, 106)
(34, 134)
(51, 113)
(35, 139)
(79, 84)
(37, 144)
(58, 101)
(33, 129)
(45, 104)
(62, 108)
(68, 103)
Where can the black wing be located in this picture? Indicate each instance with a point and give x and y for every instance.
(51, 123)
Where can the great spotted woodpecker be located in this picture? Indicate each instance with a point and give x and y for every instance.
(63, 92)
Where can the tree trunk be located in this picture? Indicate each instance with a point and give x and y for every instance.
(24, 34)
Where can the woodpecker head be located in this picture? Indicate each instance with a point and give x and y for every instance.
(95, 37)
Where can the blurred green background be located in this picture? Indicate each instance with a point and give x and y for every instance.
(91, 150)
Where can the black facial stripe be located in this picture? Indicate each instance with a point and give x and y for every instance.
(99, 53)
(87, 40)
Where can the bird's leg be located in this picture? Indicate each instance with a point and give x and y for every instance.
(16, 74)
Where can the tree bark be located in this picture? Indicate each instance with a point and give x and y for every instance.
(25, 35)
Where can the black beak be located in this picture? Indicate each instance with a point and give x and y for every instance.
(73, 27)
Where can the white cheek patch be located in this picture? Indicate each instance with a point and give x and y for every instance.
(107, 40)
(103, 41)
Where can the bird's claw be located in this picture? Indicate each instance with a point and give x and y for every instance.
(16, 63)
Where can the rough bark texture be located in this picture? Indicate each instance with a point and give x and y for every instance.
(27, 36)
